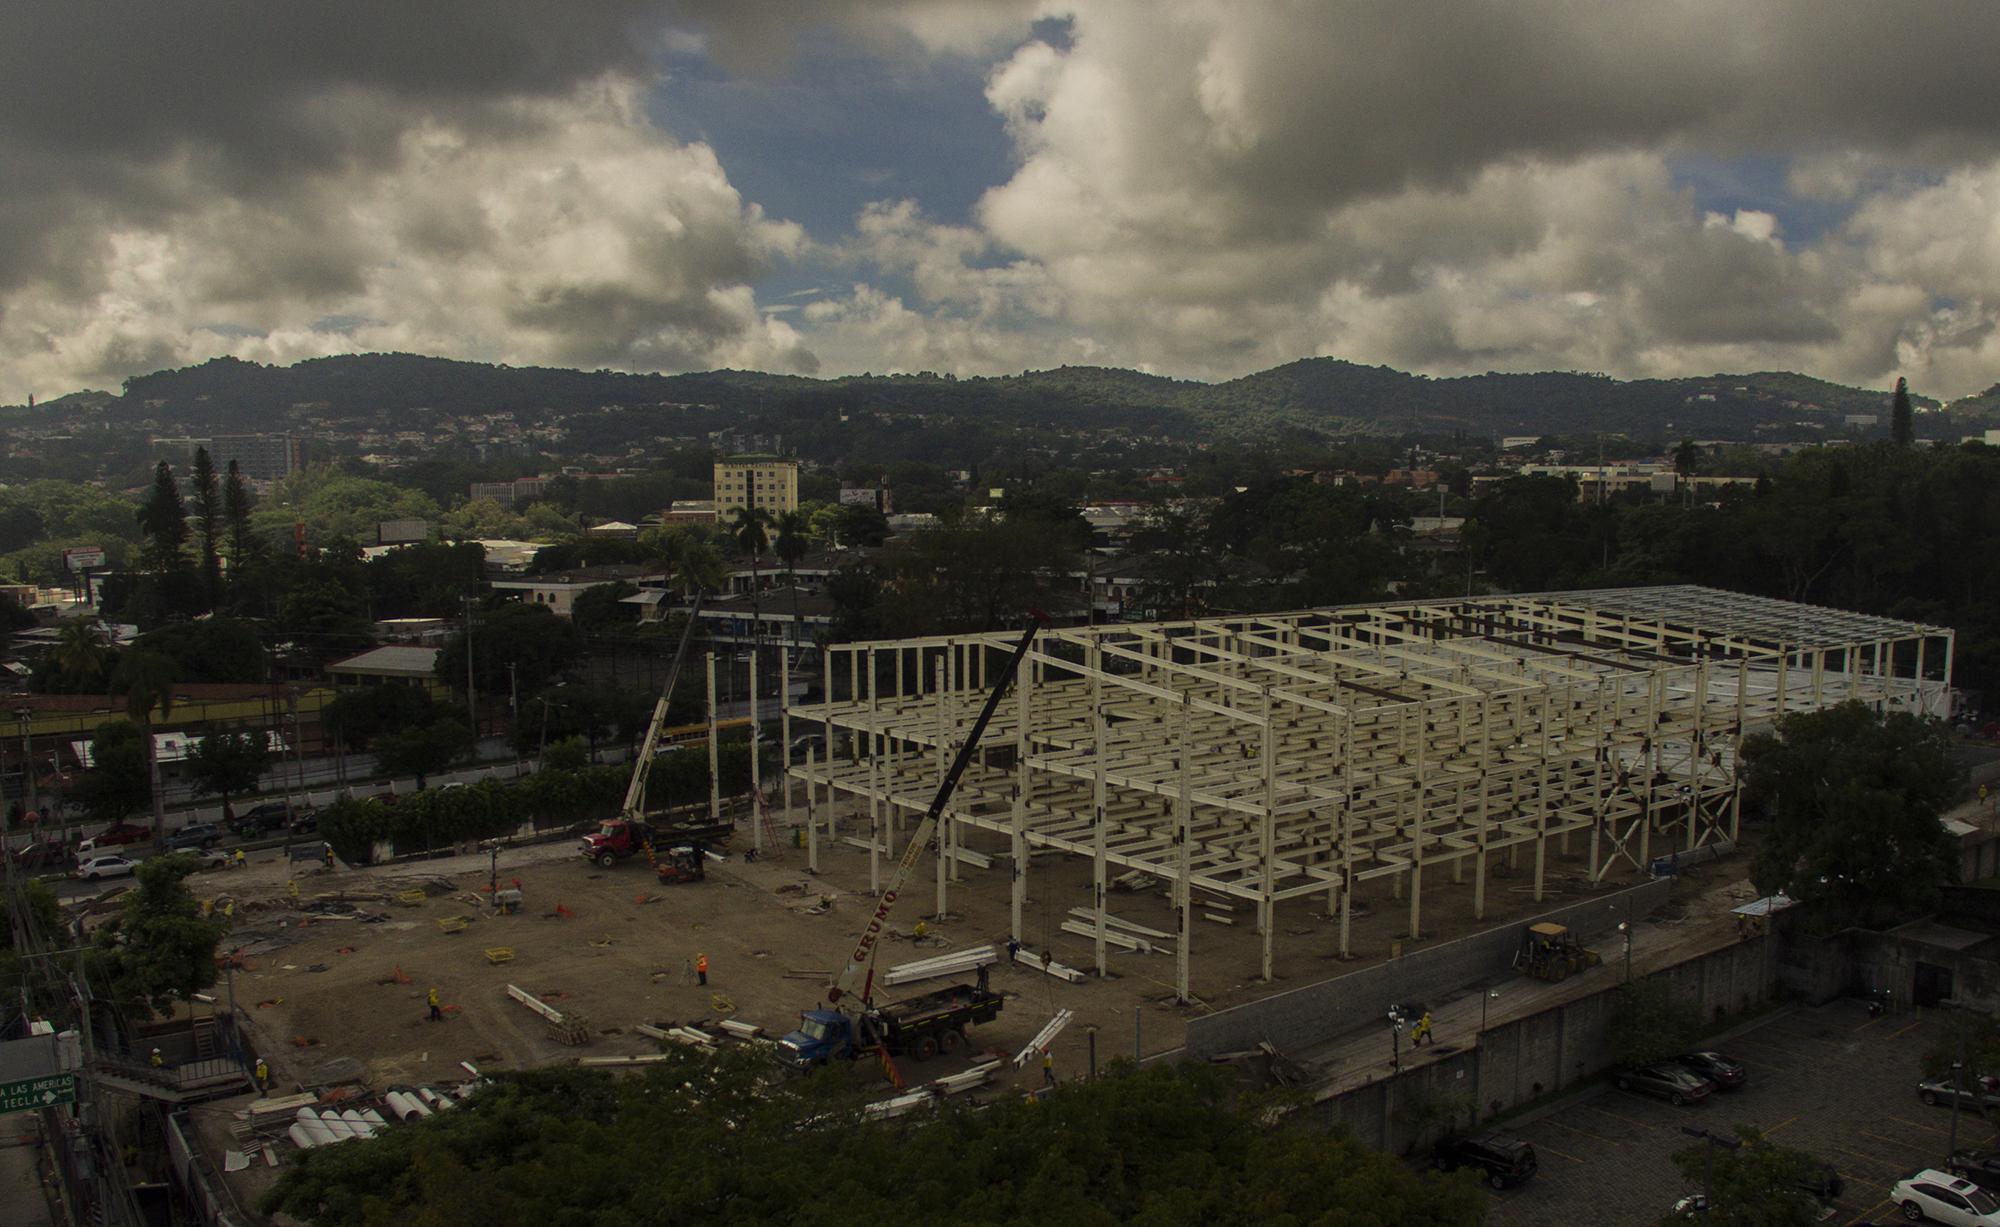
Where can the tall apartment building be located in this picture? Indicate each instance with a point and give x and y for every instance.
(756, 481)
(259, 457)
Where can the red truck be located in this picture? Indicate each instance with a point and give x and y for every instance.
(115, 836)
(616, 839)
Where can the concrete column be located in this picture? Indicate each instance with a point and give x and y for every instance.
(942, 833)
(875, 750)
(785, 734)
(1267, 835)
(1099, 832)
(1019, 844)
(757, 772)
(812, 824)
(714, 771)
(1184, 813)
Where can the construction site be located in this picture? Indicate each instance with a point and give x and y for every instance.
(1155, 823)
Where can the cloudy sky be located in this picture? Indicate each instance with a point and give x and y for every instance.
(1200, 188)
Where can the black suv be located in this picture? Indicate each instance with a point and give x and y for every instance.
(194, 835)
(261, 819)
(1504, 1160)
(1727, 1074)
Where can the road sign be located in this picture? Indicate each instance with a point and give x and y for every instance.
(83, 558)
(37, 1092)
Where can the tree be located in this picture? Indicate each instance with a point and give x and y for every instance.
(163, 522)
(236, 512)
(1854, 800)
(602, 607)
(1687, 459)
(206, 512)
(1167, 1144)
(211, 650)
(161, 950)
(530, 637)
(146, 682)
(1754, 1183)
(117, 786)
(323, 618)
(424, 750)
(358, 717)
(229, 764)
(1649, 1024)
(790, 546)
(82, 658)
(1902, 420)
(750, 531)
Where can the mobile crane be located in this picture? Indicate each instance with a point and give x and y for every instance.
(852, 1024)
(629, 834)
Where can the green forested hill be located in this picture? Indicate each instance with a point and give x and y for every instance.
(1324, 395)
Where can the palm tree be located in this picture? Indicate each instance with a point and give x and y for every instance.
(750, 530)
(82, 654)
(146, 680)
(791, 546)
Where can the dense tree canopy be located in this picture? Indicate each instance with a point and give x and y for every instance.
(1854, 800)
(699, 1140)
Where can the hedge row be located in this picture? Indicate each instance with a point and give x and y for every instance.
(438, 817)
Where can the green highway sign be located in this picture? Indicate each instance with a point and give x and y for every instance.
(37, 1092)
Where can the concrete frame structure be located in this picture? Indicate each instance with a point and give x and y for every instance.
(1268, 757)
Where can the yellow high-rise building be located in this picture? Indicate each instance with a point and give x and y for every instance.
(756, 481)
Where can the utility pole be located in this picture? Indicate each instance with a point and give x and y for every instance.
(471, 694)
(1957, 1093)
(513, 702)
(1710, 1142)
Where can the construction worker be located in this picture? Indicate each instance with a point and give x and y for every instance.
(437, 1015)
(263, 1077)
(326, 852)
(293, 887)
(922, 931)
(241, 860)
(701, 969)
(1423, 1031)
(1048, 1068)
(158, 1061)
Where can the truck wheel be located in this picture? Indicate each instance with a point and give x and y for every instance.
(951, 1041)
(606, 860)
(925, 1048)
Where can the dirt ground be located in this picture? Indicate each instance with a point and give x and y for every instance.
(326, 1003)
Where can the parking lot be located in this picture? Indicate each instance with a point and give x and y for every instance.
(1828, 1080)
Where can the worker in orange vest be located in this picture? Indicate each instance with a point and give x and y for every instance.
(701, 968)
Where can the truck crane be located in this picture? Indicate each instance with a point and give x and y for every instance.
(852, 1024)
(629, 834)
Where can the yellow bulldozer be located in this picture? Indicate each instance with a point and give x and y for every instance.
(1550, 952)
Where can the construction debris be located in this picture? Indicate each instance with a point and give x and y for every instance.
(741, 1030)
(957, 963)
(1124, 941)
(1044, 1037)
(1028, 958)
(932, 1092)
(564, 1028)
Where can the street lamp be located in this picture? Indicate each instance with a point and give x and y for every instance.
(26, 715)
(1396, 1039)
(1708, 1163)
(1625, 927)
(1957, 1094)
(1486, 999)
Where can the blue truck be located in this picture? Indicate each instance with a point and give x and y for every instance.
(919, 1028)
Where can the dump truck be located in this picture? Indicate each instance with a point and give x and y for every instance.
(919, 1028)
(1551, 952)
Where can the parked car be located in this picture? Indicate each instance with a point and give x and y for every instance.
(42, 857)
(1503, 1160)
(1728, 1075)
(193, 835)
(1981, 1167)
(1944, 1198)
(1665, 1080)
(262, 819)
(1973, 1095)
(115, 836)
(107, 866)
(305, 822)
(208, 858)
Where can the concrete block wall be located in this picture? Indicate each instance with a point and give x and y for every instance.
(1298, 1019)
(1519, 1061)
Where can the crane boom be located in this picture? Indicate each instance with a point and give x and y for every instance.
(635, 792)
(859, 963)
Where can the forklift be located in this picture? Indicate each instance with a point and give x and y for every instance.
(1551, 952)
(686, 863)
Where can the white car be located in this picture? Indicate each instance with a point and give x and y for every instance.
(1944, 1198)
(105, 867)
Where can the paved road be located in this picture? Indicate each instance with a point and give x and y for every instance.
(1828, 1080)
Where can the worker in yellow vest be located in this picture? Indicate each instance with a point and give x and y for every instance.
(263, 1077)
(437, 1015)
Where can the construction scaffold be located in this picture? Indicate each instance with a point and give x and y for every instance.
(1272, 756)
